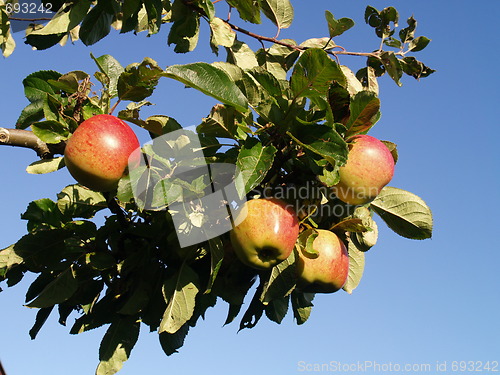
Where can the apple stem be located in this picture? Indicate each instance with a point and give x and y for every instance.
(114, 107)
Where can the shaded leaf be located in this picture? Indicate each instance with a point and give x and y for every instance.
(392, 65)
(404, 212)
(418, 44)
(97, 24)
(276, 309)
(41, 317)
(116, 345)
(249, 10)
(301, 306)
(170, 342)
(50, 131)
(281, 282)
(364, 112)
(57, 291)
(138, 81)
(77, 201)
(185, 30)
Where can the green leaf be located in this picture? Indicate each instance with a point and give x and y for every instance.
(97, 24)
(314, 72)
(36, 86)
(43, 212)
(33, 112)
(404, 212)
(185, 30)
(130, 9)
(221, 122)
(7, 42)
(50, 131)
(368, 79)
(117, 344)
(241, 54)
(415, 68)
(57, 291)
(211, 81)
(418, 44)
(254, 161)
(364, 112)
(366, 239)
(108, 65)
(45, 166)
(249, 10)
(301, 306)
(221, 33)
(66, 18)
(180, 294)
(8, 260)
(356, 267)
(392, 65)
(41, 317)
(339, 100)
(280, 12)
(154, 10)
(321, 140)
(406, 34)
(337, 27)
(138, 81)
(100, 260)
(281, 282)
(216, 258)
(76, 201)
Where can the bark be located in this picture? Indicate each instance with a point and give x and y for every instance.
(27, 139)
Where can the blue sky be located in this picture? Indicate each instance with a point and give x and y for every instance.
(420, 302)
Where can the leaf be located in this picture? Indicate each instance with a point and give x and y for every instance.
(281, 282)
(57, 291)
(76, 201)
(41, 317)
(337, 27)
(364, 112)
(66, 18)
(97, 24)
(280, 12)
(108, 65)
(392, 65)
(221, 33)
(7, 42)
(185, 30)
(368, 79)
(8, 260)
(254, 161)
(36, 86)
(254, 312)
(50, 131)
(393, 149)
(339, 100)
(249, 10)
(418, 44)
(276, 309)
(33, 112)
(314, 72)
(241, 55)
(356, 267)
(170, 342)
(321, 140)
(221, 122)
(130, 9)
(406, 34)
(46, 165)
(180, 293)
(138, 81)
(301, 306)
(404, 212)
(415, 68)
(117, 344)
(216, 258)
(364, 241)
(350, 225)
(211, 81)
(44, 212)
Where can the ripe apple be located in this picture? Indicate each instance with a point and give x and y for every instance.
(369, 167)
(267, 235)
(97, 152)
(326, 271)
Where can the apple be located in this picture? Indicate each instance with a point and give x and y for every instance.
(369, 167)
(97, 153)
(267, 235)
(326, 271)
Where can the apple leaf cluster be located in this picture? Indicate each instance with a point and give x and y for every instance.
(284, 116)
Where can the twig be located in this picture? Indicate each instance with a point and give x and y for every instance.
(28, 139)
(29, 19)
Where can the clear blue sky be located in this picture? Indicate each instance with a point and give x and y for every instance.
(418, 303)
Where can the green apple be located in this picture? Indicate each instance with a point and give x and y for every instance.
(97, 153)
(325, 271)
(369, 167)
(267, 234)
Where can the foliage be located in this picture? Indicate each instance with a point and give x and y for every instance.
(285, 112)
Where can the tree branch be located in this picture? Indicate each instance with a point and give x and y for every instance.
(28, 139)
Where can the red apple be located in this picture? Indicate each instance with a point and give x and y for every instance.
(267, 235)
(97, 152)
(369, 167)
(326, 271)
